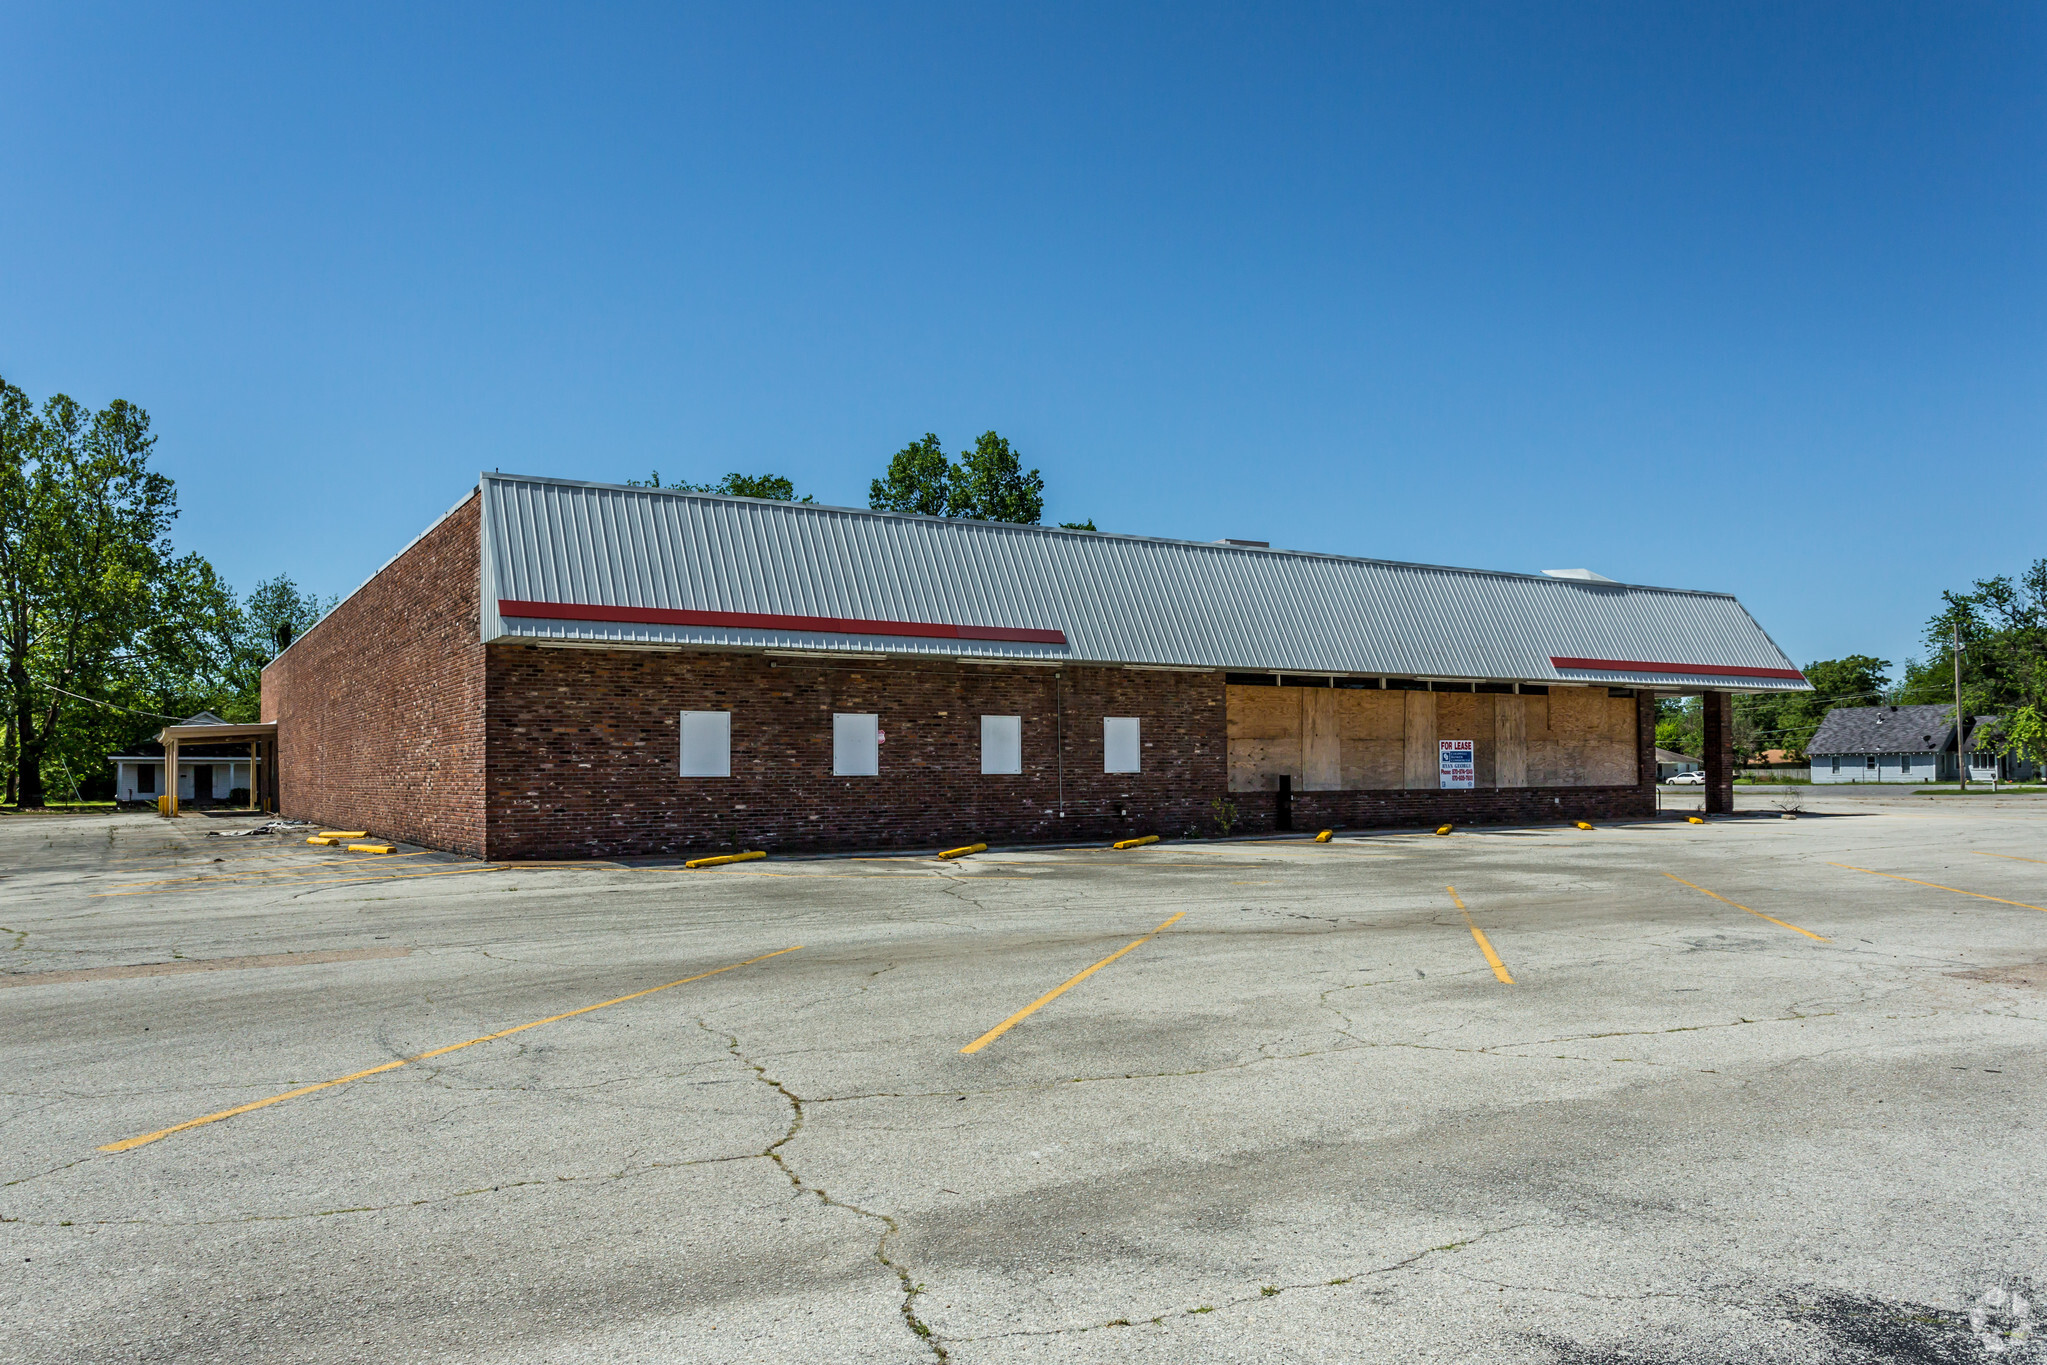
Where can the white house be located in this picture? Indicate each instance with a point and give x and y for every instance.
(1669, 763)
(1903, 744)
(204, 775)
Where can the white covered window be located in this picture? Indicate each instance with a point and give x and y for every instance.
(1002, 744)
(707, 744)
(1120, 745)
(856, 745)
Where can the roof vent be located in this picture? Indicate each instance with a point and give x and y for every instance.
(1246, 544)
(1578, 575)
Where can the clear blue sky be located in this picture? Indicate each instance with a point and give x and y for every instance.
(1736, 297)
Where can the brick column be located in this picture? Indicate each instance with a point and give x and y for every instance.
(1719, 755)
(1645, 749)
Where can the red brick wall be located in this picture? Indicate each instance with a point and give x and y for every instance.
(582, 758)
(1717, 721)
(380, 706)
(582, 754)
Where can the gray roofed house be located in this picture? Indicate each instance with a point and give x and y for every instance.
(1899, 744)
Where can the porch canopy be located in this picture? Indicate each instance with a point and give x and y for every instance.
(261, 738)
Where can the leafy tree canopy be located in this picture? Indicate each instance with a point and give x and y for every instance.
(106, 631)
(2002, 625)
(986, 483)
(771, 487)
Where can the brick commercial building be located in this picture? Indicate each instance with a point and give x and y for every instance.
(557, 669)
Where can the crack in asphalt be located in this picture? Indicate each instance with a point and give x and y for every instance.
(890, 1227)
(1266, 1291)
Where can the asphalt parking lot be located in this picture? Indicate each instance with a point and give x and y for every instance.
(1759, 1089)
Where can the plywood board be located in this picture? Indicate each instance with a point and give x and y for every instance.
(1370, 714)
(1263, 712)
(1577, 711)
(1420, 713)
(1264, 728)
(1464, 715)
(1590, 741)
(1321, 747)
(1374, 764)
(1510, 741)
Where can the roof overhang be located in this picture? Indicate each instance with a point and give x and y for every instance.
(180, 734)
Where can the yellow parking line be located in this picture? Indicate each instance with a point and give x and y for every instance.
(919, 875)
(129, 1144)
(1493, 958)
(2013, 856)
(1739, 906)
(1049, 996)
(1938, 887)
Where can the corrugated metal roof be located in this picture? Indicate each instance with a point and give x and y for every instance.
(1118, 599)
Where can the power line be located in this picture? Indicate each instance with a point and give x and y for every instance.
(153, 715)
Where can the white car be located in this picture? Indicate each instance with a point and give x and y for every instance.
(1695, 778)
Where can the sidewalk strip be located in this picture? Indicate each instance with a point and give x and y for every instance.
(1484, 946)
(128, 1144)
(1938, 887)
(1049, 996)
(1785, 924)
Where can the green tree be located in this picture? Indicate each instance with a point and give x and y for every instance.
(85, 561)
(2002, 626)
(1680, 725)
(769, 487)
(261, 627)
(986, 483)
(989, 484)
(919, 479)
(1787, 720)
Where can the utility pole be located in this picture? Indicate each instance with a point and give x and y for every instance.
(1961, 763)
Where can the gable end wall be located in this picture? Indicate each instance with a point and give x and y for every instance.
(379, 708)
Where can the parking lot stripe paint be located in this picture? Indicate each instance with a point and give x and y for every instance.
(1049, 996)
(129, 1144)
(1938, 887)
(1820, 938)
(2013, 856)
(1493, 958)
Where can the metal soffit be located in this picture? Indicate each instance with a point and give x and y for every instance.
(598, 564)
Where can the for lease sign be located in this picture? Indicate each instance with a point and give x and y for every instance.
(1457, 763)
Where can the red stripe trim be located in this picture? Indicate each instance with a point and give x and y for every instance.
(1695, 670)
(755, 620)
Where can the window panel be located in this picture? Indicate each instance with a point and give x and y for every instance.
(856, 745)
(1002, 744)
(1121, 749)
(707, 744)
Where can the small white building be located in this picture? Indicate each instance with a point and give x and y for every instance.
(1904, 744)
(1669, 763)
(203, 775)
